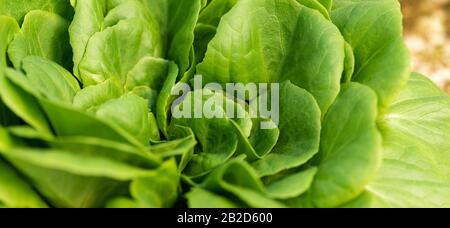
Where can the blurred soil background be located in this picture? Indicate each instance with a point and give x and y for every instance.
(427, 34)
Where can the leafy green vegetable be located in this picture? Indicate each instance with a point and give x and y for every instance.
(415, 169)
(257, 41)
(349, 151)
(199, 198)
(14, 191)
(360, 22)
(299, 132)
(21, 101)
(8, 28)
(101, 106)
(292, 185)
(19, 8)
(43, 34)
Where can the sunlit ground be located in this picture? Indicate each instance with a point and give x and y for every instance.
(427, 34)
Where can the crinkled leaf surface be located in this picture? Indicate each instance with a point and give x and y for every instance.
(274, 41)
(415, 170)
(42, 34)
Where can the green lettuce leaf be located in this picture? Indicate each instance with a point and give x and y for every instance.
(15, 191)
(177, 20)
(416, 159)
(238, 178)
(43, 34)
(200, 198)
(299, 132)
(19, 8)
(274, 41)
(350, 150)
(374, 31)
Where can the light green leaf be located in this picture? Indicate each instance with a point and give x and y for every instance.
(292, 185)
(416, 159)
(109, 149)
(259, 142)
(90, 146)
(16, 192)
(8, 28)
(27, 132)
(88, 19)
(263, 140)
(200, 198)
(174, 147)
(177, 132)
(127, 9)
(177, 20)
(96, 16)
(217, 137)
(73, 180)
(238, 178)
(214, 11)
(350, 149)
(155, 135)
(149, 71)
(130, 113)
(160, 189)
(74, 163)
(317, 5)
(81, 124)
(349, 65)
(165, 99)
(299, 132)
(274, 41)
(203, 35)
(114, 52)
(20, 99)
(209, 19)
(27, 102)
(51, 80)
(326, 3)
(43, 34)
(374, 30)
(19, 8)
(91, 97)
